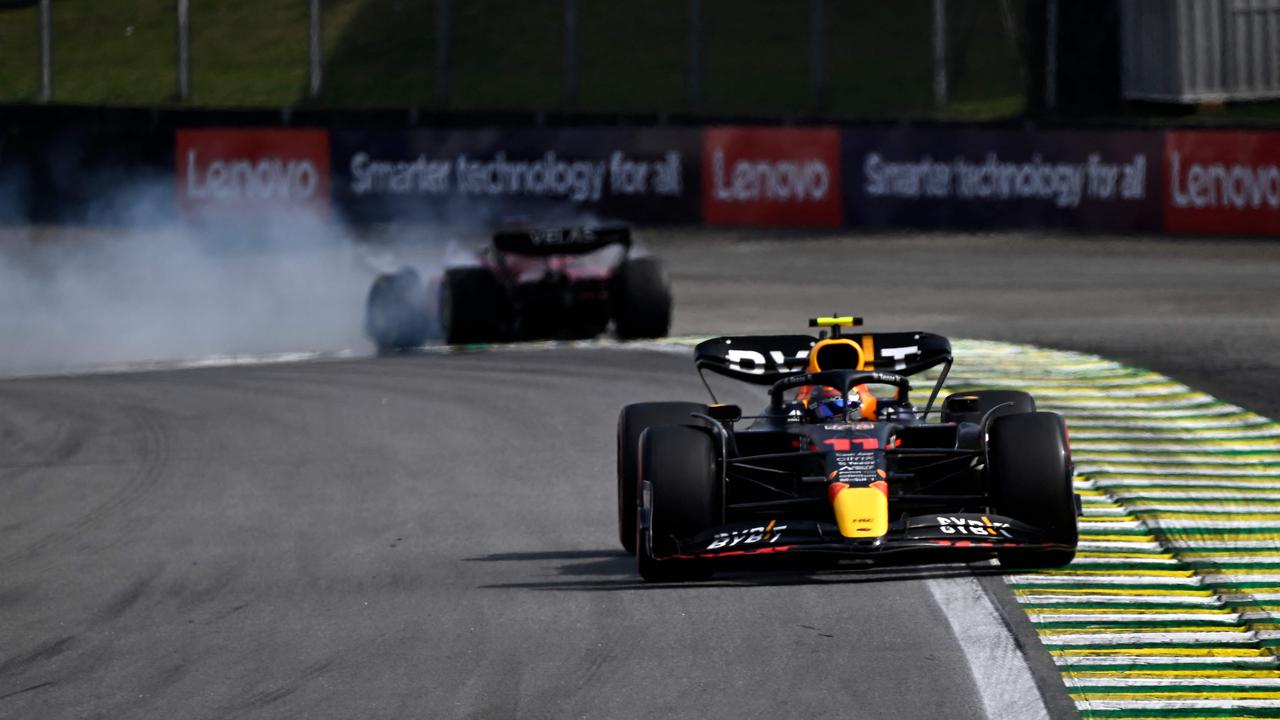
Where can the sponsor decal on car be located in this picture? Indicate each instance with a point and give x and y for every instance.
(850, 426)
(772, 176)
(952, 525)
(845, 444)
(755, 363)
(236, 171)
(766, 534)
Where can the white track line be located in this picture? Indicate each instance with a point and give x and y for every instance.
(1000, 672)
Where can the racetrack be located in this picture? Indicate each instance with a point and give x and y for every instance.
(433, 536)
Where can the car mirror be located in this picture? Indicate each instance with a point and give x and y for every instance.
(724, 413)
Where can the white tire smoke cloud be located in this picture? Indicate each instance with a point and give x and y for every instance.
(78, 298)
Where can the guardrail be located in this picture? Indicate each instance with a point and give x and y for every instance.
(874, 176)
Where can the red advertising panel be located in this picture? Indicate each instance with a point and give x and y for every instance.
(771, 176)
(236, 171)
(1222, 182)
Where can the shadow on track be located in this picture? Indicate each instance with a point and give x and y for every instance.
(607, 570)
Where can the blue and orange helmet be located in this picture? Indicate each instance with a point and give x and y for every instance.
(824, 404)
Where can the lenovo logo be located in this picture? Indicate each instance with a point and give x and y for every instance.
(252, 170)
(782, 181)
(772, 176)
(287, 180)
(1222, 182)
(1233, 185)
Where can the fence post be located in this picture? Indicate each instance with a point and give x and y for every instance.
(695, 53)
(315, 49)
(569, 92)
(818, 52)
(443, 76)
(184, 50)
(939, 54)
(46, 50)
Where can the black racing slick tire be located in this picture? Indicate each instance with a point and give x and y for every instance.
(641, 299)
(1029, 479)
(632, 422)
(396, 311)
(471, 302)
(678, 464)
(974, 406)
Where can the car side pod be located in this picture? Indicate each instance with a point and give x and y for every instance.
(861, 512)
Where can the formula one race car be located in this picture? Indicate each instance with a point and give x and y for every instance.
(842, 463)
(529, 284)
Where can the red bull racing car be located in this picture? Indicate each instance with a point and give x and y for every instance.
(842, 463)
(529, 284)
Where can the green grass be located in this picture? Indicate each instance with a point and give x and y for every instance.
(379, 53)
(635, 57)
(248, 52)
(508, 55)
(19, 55)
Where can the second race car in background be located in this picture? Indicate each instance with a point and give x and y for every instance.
(528, 284)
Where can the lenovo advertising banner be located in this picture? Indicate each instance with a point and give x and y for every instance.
(233, 171)
(771, 177)
(647, 175)
(983, 179)
(1222, 182)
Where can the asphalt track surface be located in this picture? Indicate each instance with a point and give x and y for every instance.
(433, 535)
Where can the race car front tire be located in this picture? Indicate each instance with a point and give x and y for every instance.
(1029, 479)
(641, 299)
(471, 301)
(678, 464)
(632, 421)
(395, 311)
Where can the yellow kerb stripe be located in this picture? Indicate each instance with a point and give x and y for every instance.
(1050, 590)
(1232, 694)
(1166, 652)
(1138, 672)
(1130, 631)
(1082, 573)
(1050, 610)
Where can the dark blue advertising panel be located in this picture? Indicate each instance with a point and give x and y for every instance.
(981, 179)
(86, 175)
(647, 175)
(15, 181)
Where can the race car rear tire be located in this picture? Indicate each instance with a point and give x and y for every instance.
(973, 406)
(395, 311)
(1029, 479)
(632, 421)
(679, 464)
(471, 302)
(641, 299)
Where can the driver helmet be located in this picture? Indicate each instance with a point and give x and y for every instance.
(827, 404)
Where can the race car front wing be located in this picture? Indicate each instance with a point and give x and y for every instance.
(923, 533)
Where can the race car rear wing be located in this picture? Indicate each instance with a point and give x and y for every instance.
(757, 359)
(766, 359)
(561, 241)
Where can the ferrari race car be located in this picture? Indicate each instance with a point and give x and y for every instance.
(842, 463)
(529, 284)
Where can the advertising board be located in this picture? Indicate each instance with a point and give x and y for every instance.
(646, 175)
(762, 176)
(252, 170)
(979, 179)
(1222, 182)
